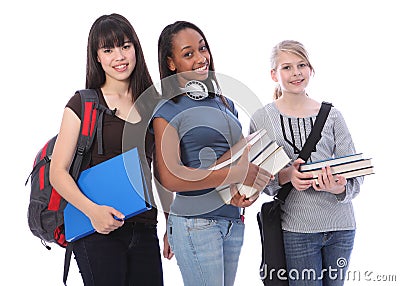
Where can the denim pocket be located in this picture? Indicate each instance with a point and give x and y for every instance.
(169, 233)
(200, 223)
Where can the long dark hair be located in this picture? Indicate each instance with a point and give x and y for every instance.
(109, 31)
(169, 84)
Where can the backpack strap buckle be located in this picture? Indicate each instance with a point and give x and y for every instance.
(80, 150)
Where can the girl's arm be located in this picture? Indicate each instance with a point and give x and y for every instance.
(178, 178)
(101, 216)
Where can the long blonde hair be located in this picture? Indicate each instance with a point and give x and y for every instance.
(289, 46)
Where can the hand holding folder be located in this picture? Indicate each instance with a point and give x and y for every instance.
(118, 182)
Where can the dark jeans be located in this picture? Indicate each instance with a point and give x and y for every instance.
(129, 255)
(318, 259)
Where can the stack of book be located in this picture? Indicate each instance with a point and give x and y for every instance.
(263, 152)
(347, 166)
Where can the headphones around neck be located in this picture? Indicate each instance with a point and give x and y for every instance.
(198, 90)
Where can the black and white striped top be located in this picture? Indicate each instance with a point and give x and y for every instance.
(310, 211)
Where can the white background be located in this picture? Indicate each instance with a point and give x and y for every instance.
(354, 48)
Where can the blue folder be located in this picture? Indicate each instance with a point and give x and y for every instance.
(118, 182)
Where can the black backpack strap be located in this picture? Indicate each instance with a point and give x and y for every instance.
(67, 261)
(306, 151)
(99, 128)
(46, 159)
(92, 120)
(90, 101)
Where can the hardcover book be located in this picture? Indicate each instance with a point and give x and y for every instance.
(348, 166)
(263, 152)
(273, 162)
(330, 162)
(257, 140)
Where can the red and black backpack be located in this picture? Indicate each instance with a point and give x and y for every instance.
(46, 206)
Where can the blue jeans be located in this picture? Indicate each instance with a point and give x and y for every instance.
(315, 259)
(207, 250)
(129, 255)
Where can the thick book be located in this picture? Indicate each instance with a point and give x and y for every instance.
(347, 166)
(273, 162)
(355, 173)
(359, 172)
(258, 141)
(330, 162)
(118, 182)
(263, 152)
(343, 167)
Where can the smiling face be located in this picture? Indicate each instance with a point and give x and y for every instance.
(118, 63)
(291, 72)
(190, 57)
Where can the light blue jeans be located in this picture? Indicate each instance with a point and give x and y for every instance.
(316, 259)
(207, 250)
